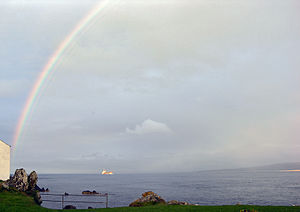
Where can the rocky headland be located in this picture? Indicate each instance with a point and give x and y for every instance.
(22, 182)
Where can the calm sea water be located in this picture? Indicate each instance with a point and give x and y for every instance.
(204, 188)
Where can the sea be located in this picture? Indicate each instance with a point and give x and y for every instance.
(222, 187)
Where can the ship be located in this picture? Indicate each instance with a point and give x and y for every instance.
(105, 172)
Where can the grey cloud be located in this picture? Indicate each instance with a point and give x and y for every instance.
(13, 88)
(223, 81)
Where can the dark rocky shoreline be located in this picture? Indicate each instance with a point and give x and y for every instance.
(22, 182)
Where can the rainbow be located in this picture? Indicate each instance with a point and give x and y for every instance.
(49, 67)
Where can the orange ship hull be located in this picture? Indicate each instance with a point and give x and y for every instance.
(104, 172)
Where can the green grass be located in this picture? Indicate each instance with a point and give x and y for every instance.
(20, 202)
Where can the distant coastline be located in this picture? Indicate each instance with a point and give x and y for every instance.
(292, 166)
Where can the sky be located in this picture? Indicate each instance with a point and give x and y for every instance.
(152, 86)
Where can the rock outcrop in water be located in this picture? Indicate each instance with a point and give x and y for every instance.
(90, 192)
(42, 189)
(148, 198)
(175, 202)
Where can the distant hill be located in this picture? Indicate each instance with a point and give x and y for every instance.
(278, 166)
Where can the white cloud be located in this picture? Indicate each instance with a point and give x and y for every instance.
(149, 126)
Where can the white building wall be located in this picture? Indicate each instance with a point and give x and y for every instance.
(4, 161)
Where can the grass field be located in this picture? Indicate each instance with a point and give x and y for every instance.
(19, 202)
